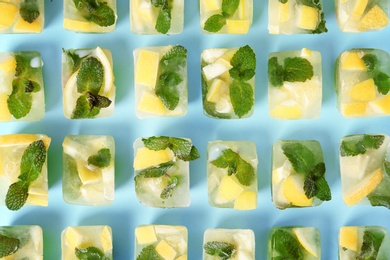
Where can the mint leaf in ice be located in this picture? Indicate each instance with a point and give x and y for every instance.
(222, 249)
(102, 159)
(148, 253)
(29, 10)
(8, 245)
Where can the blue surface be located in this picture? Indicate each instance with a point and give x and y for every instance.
(126, 212)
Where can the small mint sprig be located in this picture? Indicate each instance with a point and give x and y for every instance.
(97, 12)
(352, 146)
(220, 249)
(148, 253)
(29, 10)
(372, 241)
(381, 79)
(163, 22)
(90, 253)
(215, 22)
(286, 245)
(8, 245)
(102, 159)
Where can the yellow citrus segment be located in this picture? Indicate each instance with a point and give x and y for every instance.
(8, 66)
(165, 250)
(73, 237)
(87, 175)
(364, 91)
(293, 191)
(305, 238)
(348, 238)
(286, 112)
(237, 26)
(352, 61)
(80, 26)
(228, 190)
(106, 239)
(214, 93)
(183, 257)
(359, 8)
(147, 68)
(308, 17)
(7, 14)
(151, 104)
(284, 12)
(367, 186)
(37, 199)
(382, 104)
(374, 19)
(247, 200)
(23, 139)
(354, 109)
(5, 115)
(212, 5)
(145, 235)
(242, 8)
(147, 158)
(23, 26)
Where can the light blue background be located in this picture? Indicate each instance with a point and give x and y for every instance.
(126, 212)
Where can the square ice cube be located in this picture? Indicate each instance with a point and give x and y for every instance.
(97, 16)
(298, 174)
(354, 243)
(362, 77)
(228, 82)
(295, 17)
(356, 16)
(84, 242)
(22, 95)
(156, 17)
(295, 243)
(87, 83)
(216, 17)
(365, 169)
(23, 16)
(88, 170)
(19, 152)
(232, 174)
(161, 169)
(295, 84)
(229, 243)
(160, 81)
(21, 242)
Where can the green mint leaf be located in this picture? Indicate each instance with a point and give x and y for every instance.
(168, 191)
(286, 245)
(371, 62)
(245, 172)
(283, 1)
(90, 76)
(229, 7)
(74, 58)
(318, 171)
(163, 23)
(148, 253)
(88, 105)
(156, 171)
(382, 81)
(89, 253)
(371, 242)
(321, 27)
(310, 187)
(222, 249)
(323, 190)
(102, 159)
(158, 3)
(156, 143)
(176, 52)
(167, 91)
(72, 185)
(182, 148)
(8, 245)
(32, 161)
(244, 64)
(242, 97)
(29, 10)
(214, 23)
(300, 156)
(379, 201)
(275, 72)
(103, 15)
(356, 146)
(98, 101)
(17, 195)
(20, 101)
(373, 141)
(86, 5)
(297, 69)
(23, 67)
(386, 166)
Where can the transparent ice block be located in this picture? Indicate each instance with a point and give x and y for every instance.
(160, 81)
(228, 82)
(295, 84)
(87, 242)
(233, 244)
(302, 243)
(87, 83)
(21, 86)
(88, 170)
(151, 17)
(364, 242)
(298, 174)
(365, 169)
(215, 18)
(17, 151)
(97, 16)
(161, 242)
(361, 83)
(295, 17)
(161, 169)
(356, 16)
(21, 242)
(22, 16)
(229, 187)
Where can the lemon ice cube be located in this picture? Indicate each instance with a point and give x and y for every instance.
(247, 200)
(307, 17)
(348, 238)
(145, 234)
(147, 68)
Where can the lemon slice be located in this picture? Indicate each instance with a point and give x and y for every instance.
(306, 237)
(108, 74)
(70, 95)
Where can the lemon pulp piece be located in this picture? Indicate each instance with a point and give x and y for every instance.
(23, 26)
(284, 12)
(24, 139)
(354, 109)
(5, 115)
(145, 235)
(73, 237)
(151, 104)
(7, 14)
(247, 200)
(242, 9)
(348, 238)
(100, 54)
(382, 104)
(75, 25)
(366, 187)
(146, 68)
(293, 191)
(364, 91)
(183, 257)
(359, 8)
(106, 239)
(38, 197)
(165, 250)
(228, 190)
(237, 26)
(306, 53)
(145, 10)
(307, 94)
(305, 238)
(70, 95)
(374, 19)
(352, 61)
(9, 65)
(308, 17)
(286, 112)
(87, 175)
(219, 67)
(216, 90)
(212, 5)
(146, 158)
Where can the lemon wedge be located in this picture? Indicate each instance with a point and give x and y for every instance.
(306, 237)
(293, 191)
(100, 54)
(348, 238)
